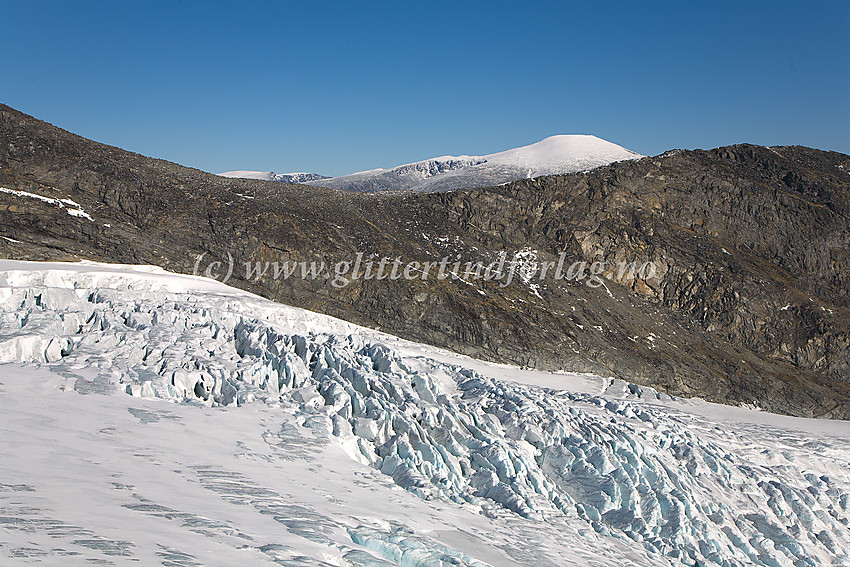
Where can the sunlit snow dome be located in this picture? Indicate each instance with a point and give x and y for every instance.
(554, 155)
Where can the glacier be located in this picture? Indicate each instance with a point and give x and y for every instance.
(164, 418)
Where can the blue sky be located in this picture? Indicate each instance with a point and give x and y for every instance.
(336, 87)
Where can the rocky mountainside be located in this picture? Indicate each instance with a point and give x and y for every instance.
(554, 155)
(748, 301)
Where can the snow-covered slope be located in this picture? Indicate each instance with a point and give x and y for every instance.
(155, 418)
(295, 177)
(554, 155)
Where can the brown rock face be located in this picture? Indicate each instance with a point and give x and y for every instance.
(724, 274)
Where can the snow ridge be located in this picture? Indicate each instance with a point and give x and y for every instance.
(295, 177)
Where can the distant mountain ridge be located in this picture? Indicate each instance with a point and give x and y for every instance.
(551, 156)
(295, 177)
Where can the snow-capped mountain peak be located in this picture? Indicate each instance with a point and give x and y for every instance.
(551, 156)
(563, 153)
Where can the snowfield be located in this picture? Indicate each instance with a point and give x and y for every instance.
(154, 418)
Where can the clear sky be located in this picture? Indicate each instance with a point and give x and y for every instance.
(337, 87)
